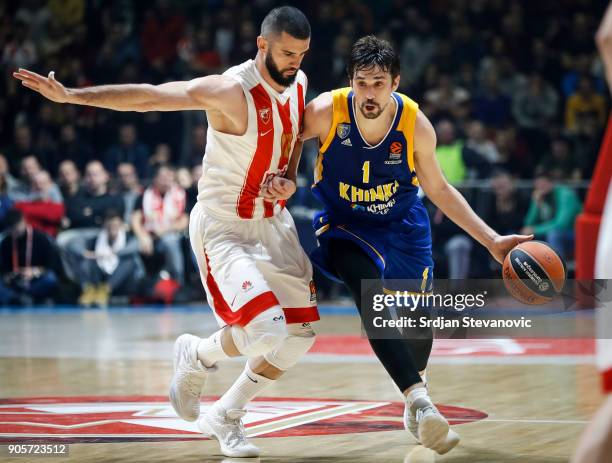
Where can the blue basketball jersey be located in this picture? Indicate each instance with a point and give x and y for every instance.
(370, 197)
(357, 182)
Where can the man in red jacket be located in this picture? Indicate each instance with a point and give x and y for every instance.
(45, 212)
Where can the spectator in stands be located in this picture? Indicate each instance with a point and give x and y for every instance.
(455, 159)
(585, 103)
(560, 161)
(36, 15)
(201, 55)
(45, 136)
(342, 47)
(447, 99)
(490, 105)
(161, 156)
(418, 47)
(87, 209)
(504, 208)
(85, 214)
(27, 189)
(6, 203)
(10, 181)
(479, 143)
(450, 244)
(183, 178)
(71, 146)
(159, 221)
(534, 106)
(45, 210)
(544, 61)
(19, 51)
(245, 47)
(129, 188)
(129, 149)
(580, 67)
(28, 263)
(552, 213)
(587, 143)
(196, 146)
(69, 179)
(225, 34)
(163, 28)
(110, 263)
(513, 153)
(23, 146)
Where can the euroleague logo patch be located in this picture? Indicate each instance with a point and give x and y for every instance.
(395, 153)
(151, 418)
(395, 148)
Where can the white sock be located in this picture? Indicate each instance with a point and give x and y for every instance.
(245, 388)
(210, 350)
(424, 377)
(416, 393)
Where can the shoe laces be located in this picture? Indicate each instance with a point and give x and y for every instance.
(236, 427)
(420, 412)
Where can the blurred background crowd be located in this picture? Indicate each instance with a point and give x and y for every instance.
(94, 204)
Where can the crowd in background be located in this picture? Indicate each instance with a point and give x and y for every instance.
(97, 201)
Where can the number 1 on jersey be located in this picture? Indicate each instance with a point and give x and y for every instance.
(366, 172)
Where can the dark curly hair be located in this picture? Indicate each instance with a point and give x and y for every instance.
(369, 52)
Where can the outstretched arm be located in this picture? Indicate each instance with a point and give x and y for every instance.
(203, 93)
(449, 200)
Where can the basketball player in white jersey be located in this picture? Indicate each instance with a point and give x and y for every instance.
(257, 277)
(595, 444)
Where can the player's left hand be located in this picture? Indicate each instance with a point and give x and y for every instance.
(503, 244)
(279, 188)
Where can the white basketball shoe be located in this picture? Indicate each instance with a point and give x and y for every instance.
(429, 427)
(226, 426)
(188, 379)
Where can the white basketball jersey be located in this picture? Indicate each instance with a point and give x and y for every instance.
(236, 167)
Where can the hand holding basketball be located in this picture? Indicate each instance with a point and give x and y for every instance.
(46, 86)
(503, 244)
(533, 273)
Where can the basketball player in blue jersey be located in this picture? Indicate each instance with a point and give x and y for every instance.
(376, 149)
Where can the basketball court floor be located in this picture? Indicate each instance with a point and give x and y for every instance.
(98, 380)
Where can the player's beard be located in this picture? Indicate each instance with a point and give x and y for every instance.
(371, 114)
(277, 74)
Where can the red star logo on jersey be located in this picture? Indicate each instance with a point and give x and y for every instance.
(265, 115)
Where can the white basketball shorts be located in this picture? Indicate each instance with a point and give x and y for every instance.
(248, 266)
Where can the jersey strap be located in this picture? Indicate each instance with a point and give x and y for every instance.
(340, 114)
(406, 125)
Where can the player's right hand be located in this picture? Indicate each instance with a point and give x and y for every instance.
(46, 86)
(279, 188)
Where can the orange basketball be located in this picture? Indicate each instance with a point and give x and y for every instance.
(533, 273)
